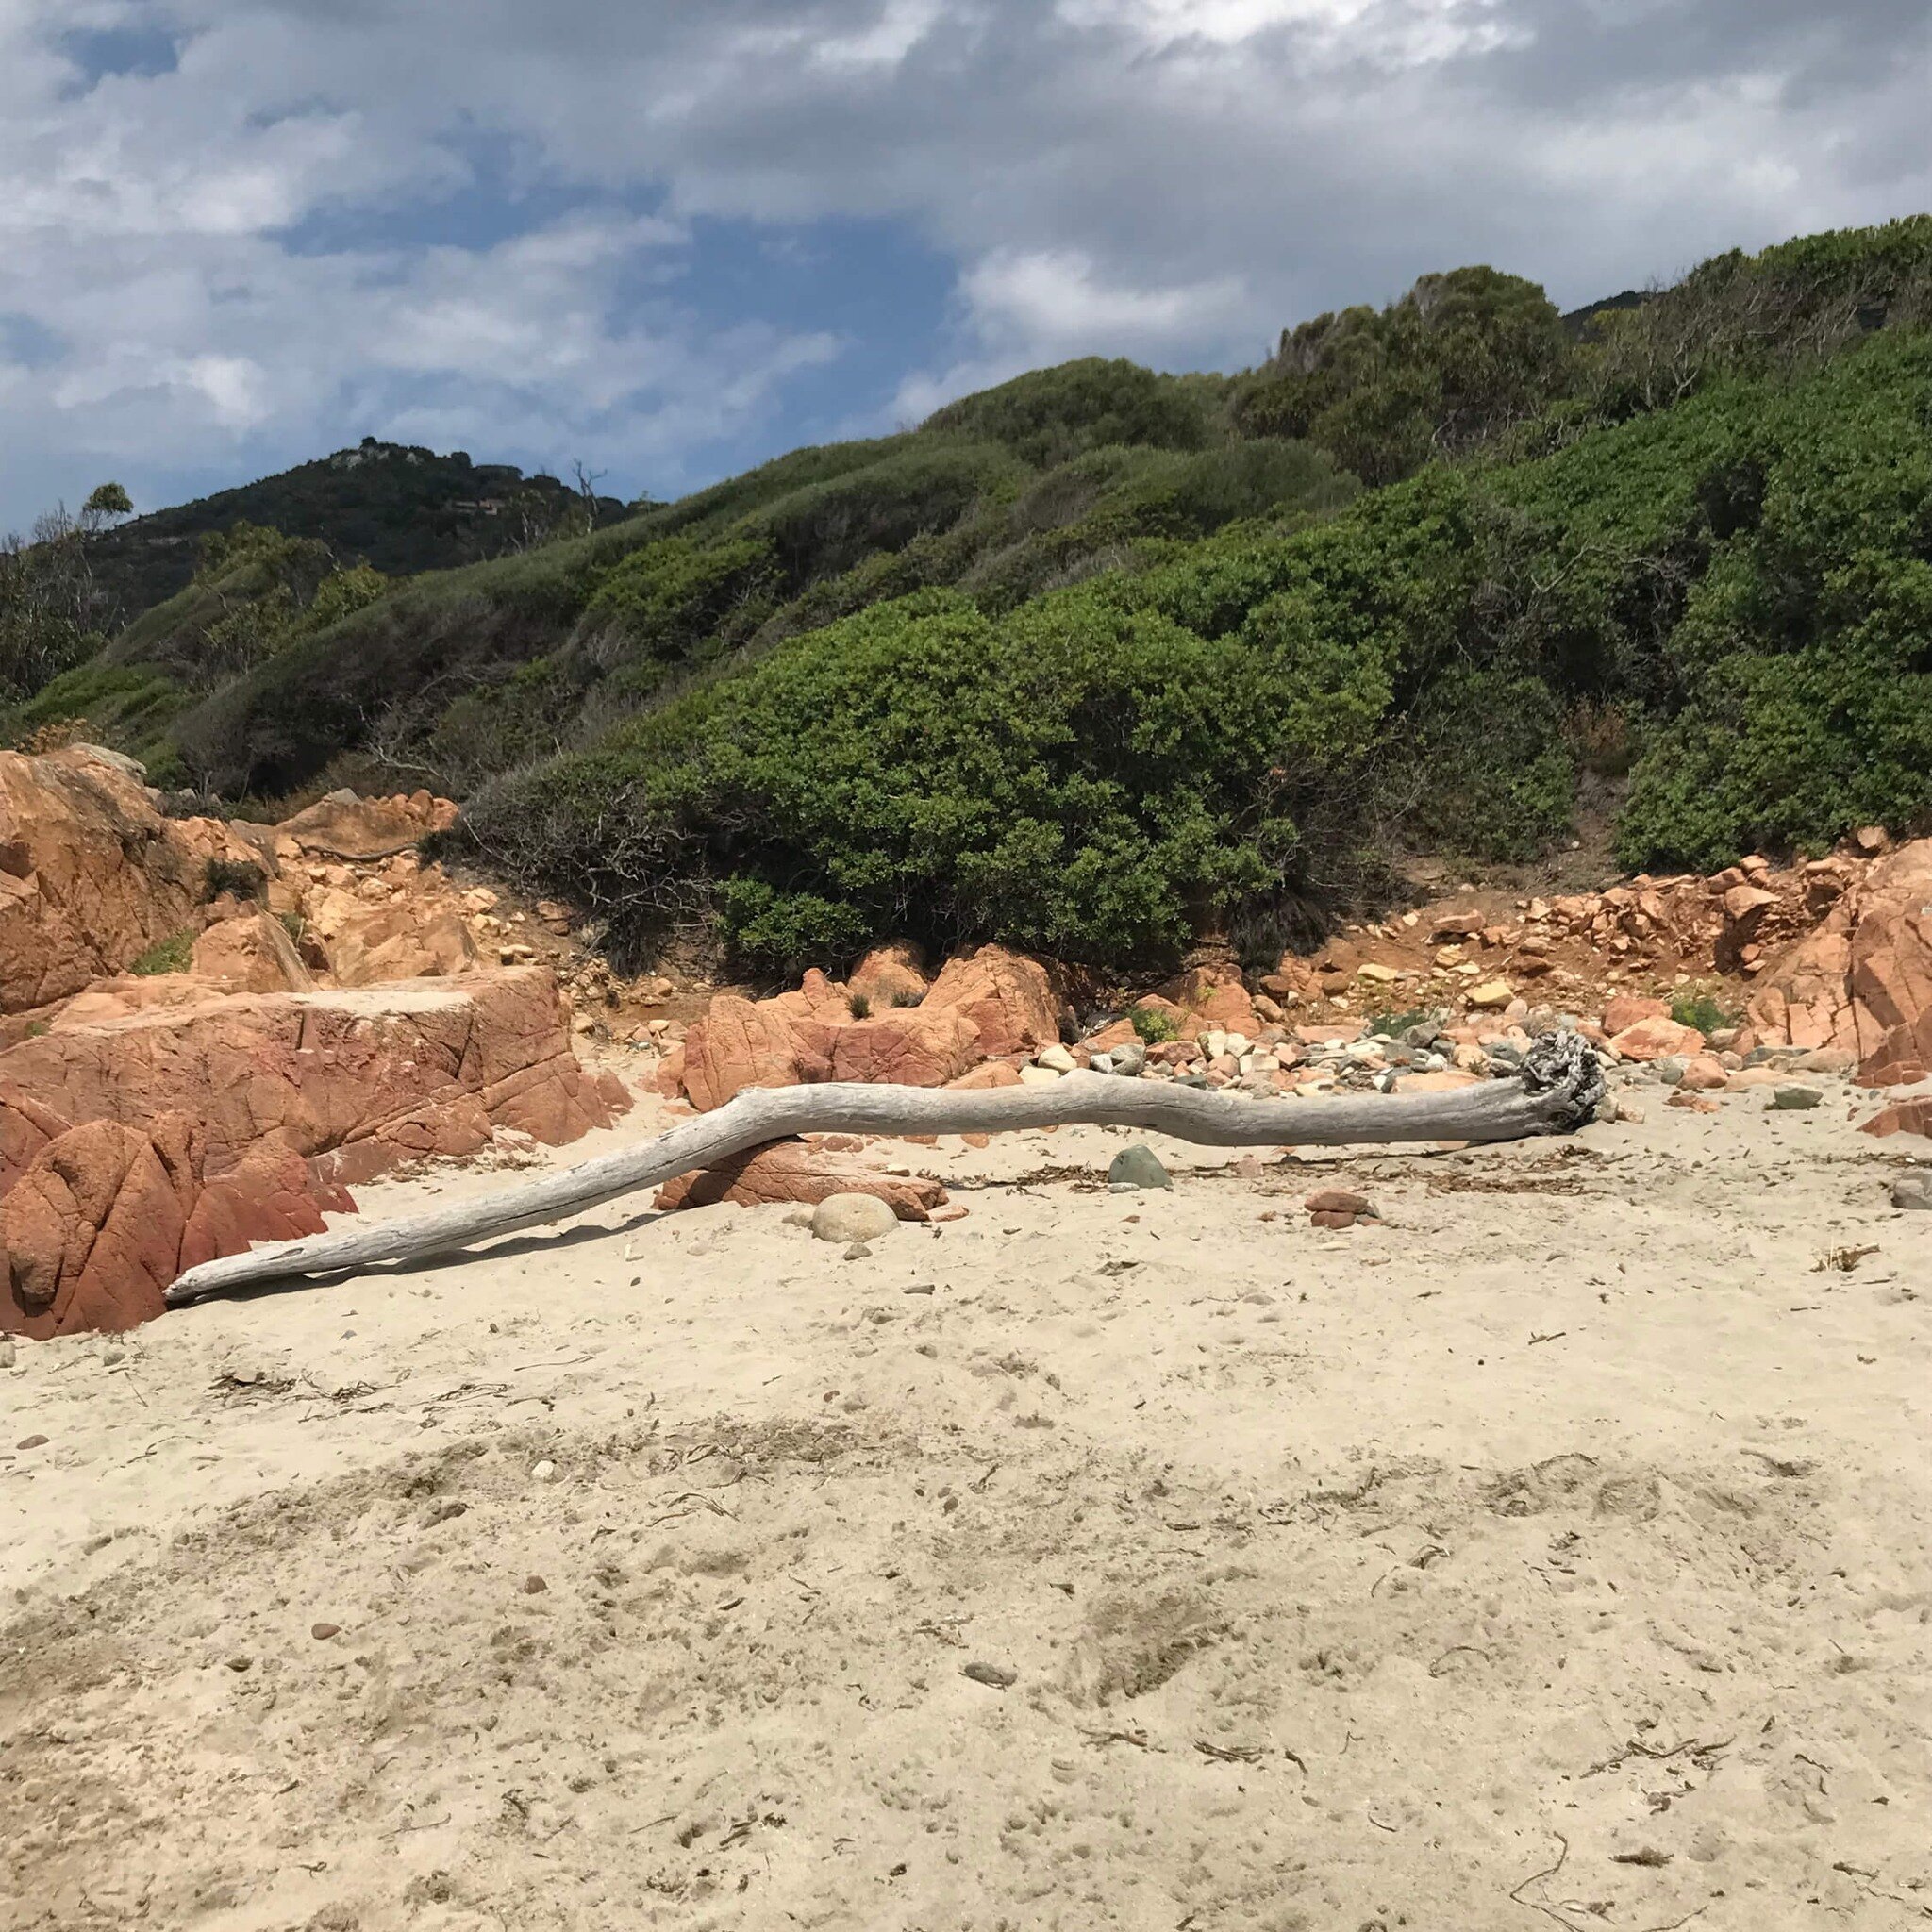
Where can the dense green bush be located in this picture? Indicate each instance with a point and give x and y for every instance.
(1789, 307)
(1486, 772)
(1602, 477)
(831, 526)
(1079, 778)
(1804, 655)
(1050, 415)
(667, 599)
(1459, 359)
(497, 727)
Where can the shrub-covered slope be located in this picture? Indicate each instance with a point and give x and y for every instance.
(1102, 658)
(1746, 577)
(468, 671)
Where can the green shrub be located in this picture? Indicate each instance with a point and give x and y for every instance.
(1802, 662)
(915, 490)
(1488, 771)
(784, 932)
(667, 599)
(1699, 1009)
(343, 593)
(1101, 658)
(1394, 1025)
(1049, 415)
(498, 727)
(1153, 1026)
(1077, 778)
(1224, 734)
(1792, 305)
(1459, 359)
(243, 878)
(171, 955)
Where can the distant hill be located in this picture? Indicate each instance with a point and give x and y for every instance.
(1582, 322)
(398, 508)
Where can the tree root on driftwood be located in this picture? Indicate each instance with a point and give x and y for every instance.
(1557, 1092)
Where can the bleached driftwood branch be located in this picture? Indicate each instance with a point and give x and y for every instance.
(1557, 1092)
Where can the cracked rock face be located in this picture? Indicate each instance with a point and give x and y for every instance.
(91, 874)
(1862, 980)
(106, 1216)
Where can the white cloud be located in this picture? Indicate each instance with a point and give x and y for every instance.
(1020, 309)
(1329, 30)
(883, 43)
(1058, 295)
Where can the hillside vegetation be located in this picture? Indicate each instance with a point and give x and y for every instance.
(1103, 658)
(394, 507)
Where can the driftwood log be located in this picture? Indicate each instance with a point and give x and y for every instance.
(1559, 1089)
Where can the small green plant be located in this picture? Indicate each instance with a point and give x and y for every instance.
(36, 1028)
(1153, 1025)
(171, 955)
(861, 1005)
(241, 876)
(1601, 737)
(1393, 1025)
(1699, 1010)
(294, 925)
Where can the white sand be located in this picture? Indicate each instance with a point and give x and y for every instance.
(1576, 1504)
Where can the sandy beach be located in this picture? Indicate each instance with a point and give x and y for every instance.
(1558, 1550)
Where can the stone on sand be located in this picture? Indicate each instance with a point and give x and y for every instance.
(1136, 1167)
(851, 1218)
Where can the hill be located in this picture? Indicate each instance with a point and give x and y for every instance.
(1103, 658)
(398, 509)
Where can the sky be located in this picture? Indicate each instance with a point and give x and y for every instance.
(669, 238)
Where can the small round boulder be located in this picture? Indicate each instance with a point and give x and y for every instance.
(848, 1218)
(1913, 1190)
(1136, 1167)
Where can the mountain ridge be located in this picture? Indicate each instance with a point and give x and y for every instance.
(398, 508)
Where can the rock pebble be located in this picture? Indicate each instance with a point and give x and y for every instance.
(1136, 1167)
(1913, 1190)
(850, 1219)
(1338, 1207)
(1794, 1099)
